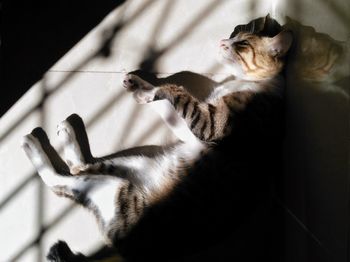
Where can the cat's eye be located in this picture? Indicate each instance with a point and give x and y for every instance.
(242, 43)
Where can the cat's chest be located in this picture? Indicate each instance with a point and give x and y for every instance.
(231, 87)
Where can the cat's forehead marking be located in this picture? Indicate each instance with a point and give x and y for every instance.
(244, 35)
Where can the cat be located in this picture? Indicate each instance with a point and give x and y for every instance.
(120, 189)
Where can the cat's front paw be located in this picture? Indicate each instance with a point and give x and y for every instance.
(143, 92)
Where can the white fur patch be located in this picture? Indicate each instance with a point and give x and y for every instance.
(71, 149)
(232, 87)
(102, 195)
(149, 172)
(176, 123)
(41, 162)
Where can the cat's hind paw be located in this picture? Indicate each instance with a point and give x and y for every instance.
(35, 152)
(60, 252)
(71, 148)
(65, 132)
(28, 143)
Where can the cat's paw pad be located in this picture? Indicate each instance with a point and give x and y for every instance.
(133, 82)
(65, 132)
(129, 83)
(143, 92)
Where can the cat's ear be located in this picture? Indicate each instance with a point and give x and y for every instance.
(280, 44)
(267, 19)
(261, 24)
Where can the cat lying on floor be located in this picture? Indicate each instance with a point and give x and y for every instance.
(122, 189)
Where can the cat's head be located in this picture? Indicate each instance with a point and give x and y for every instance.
(256, 51)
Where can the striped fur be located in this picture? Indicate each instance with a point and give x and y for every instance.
(208, 121)
(257, 62)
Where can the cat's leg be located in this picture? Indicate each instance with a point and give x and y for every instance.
(72, 135)
(55, 173)
(144, 92)
(37, 147)
(207, 121)
(51, 168)
(116, 202)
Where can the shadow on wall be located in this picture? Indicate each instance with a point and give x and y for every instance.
(315, 187)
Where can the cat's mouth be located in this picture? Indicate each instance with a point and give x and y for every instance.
(226, 57)
(226, 54)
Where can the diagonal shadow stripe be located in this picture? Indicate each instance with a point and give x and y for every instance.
(109, 104)
(43, 230)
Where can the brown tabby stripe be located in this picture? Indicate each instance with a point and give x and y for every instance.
(194, 110)
(237, 98)
(176, 100)
(254, 56)
(212, 112)
(203, 128)
(144, 202)
(130, 188)
(137, 208)
(185, 107)
(243, 60)
(123, 205)
(195, 120)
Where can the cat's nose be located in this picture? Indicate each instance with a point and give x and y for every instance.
(224, 44)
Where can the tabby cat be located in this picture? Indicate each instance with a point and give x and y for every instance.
(121, 188)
